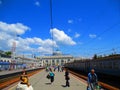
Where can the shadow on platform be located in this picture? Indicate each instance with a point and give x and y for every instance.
(48, 83)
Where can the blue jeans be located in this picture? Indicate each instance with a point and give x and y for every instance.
(92, 86)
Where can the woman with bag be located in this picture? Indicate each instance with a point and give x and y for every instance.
(51, 74)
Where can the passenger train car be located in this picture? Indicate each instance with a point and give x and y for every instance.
(6, 65)
(105, 65)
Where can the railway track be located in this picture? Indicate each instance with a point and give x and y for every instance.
(9, 79)
(12, 78)
(102, 84)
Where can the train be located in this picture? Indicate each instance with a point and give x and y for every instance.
(105, 65)
(6, 65)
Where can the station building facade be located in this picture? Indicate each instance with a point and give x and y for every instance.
(56, 59)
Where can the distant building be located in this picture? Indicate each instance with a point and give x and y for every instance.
(30, 62)
(5, 59)
(56, 59)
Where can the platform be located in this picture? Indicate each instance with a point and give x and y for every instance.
(40, 82)
(15, 71)
(9, 72)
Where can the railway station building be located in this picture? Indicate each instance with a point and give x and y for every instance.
(56, 59)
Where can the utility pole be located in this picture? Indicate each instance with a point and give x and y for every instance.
(51, 25)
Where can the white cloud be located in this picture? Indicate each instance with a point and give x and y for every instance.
(4, 36)
(13, 29)
(22, 44)
(43, 50)
(36, 44)
(8, 32)
(37, 3)
(49, 42)
(40, 42)
(43, 46)
(70, 21)
(77, 35)
(92, 35)
(60, 37)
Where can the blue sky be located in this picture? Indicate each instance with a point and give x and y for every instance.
(80, 27)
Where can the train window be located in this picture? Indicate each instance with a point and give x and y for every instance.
(115, 65)
(110, 65)
(119, 65)
(68, 60)
(100, 65)
(104, 65)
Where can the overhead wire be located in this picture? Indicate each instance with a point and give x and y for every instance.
(108, 29)
(87, 43)
(51, 15)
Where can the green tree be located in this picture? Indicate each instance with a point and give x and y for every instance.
(8, 53)
(95, 56)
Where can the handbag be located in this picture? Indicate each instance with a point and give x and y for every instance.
(48, 76)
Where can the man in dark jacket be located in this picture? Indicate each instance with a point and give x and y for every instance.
(67, 78)
(92, 80)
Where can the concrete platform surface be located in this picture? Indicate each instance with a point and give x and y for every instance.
(40, 82)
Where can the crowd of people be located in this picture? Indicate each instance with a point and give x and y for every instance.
(59, 69)
(92, 82)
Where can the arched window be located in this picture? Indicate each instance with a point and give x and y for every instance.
(53, 61)
(62, 61)
(68, 60)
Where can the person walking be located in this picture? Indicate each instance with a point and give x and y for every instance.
(58, 68)
(54, 68)
(62, 68)
(92, 80)
(67, 78)
(51, 74)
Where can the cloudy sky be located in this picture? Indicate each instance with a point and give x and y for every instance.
(80, 27)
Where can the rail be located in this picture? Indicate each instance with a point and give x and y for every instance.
(104, 85)
(9, 79)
